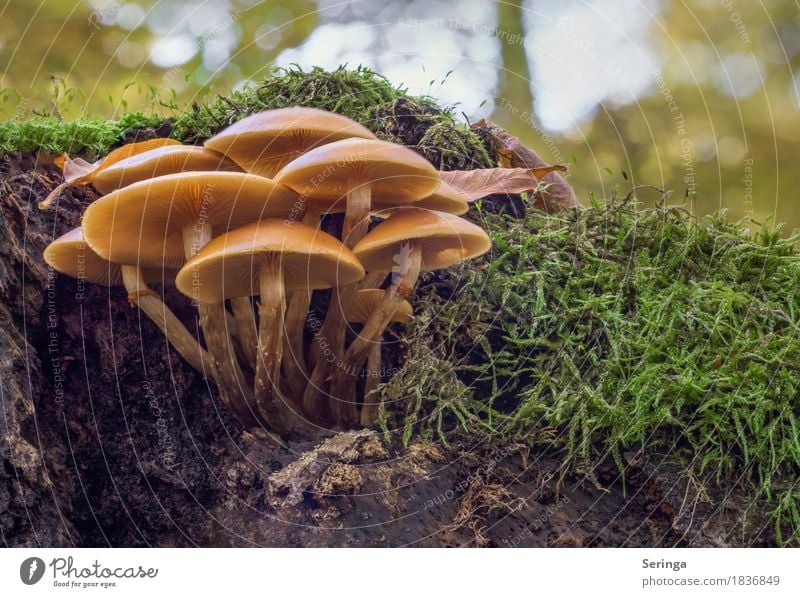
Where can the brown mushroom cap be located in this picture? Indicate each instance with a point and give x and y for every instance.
(264, 142)
(366, 301)
(72, 256)
(229, 265)
(142, 224)
(446, 198)
(445, 239)
(395, 173)
(161, 161)
(69, 254)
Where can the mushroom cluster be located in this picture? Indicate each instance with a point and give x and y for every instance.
(236, 227)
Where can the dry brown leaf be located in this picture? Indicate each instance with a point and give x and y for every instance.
(556, 194)
(76, 169)
(505, 157)
(475, 184)
(79, 171)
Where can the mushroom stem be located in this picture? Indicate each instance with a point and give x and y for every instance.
(334, 329)
(276, 411)
(247, 328)
(369, 411)
(238, 348)
(340, 304)
(231, 382)
(298, 303)
(294, 361)
(150, 303)
(372, 280)
(355, 226)
(345, 378)
(314, 406)
(271, 309)
(356, 220)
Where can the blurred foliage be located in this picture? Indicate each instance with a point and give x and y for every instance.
(118, 52)
(731, 69)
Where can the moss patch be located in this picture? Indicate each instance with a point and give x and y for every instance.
(90, 137)
(611, 330)
(360, 94)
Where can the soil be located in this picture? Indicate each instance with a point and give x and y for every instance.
(109, 439)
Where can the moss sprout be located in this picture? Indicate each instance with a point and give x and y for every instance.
(612, 329)
(360, 94)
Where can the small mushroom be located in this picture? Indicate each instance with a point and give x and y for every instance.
(71, 255)
(263, 143)
(364, 304)
(409, 241)
(267, 258)
(168, 159)
(164, 221)
(446, 198)
(352, 169)
(297, 306)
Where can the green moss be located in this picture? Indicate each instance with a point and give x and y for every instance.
(353, 93)
(612, 329)
(358, 93)
(85, 136)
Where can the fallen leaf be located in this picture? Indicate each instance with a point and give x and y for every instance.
(78, 171)
(60, 160)
(505, 157)
(556, 193)
(476, 184)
